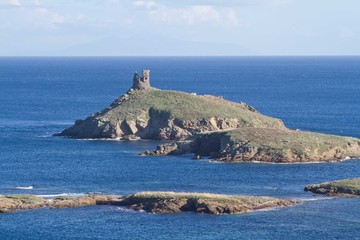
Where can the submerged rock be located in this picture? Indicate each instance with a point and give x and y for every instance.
(340, 187)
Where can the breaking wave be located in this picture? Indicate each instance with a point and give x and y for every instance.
(61, 195)
(24, 188)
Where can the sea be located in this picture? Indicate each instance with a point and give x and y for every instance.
(40, 96)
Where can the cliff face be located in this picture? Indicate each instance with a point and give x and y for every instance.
(149, 113)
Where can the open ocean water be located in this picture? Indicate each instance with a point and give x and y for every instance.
(42, 96)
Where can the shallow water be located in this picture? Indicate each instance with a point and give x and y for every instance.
(42, 96)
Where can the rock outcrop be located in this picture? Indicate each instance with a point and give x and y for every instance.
(347, 187)
(11, 203)
(79, 201)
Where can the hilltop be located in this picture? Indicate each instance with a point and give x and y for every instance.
(149, 113)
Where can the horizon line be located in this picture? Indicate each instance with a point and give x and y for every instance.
(165, 56)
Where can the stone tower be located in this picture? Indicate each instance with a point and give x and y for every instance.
(143, 82)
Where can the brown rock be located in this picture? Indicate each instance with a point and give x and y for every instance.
(11, 203)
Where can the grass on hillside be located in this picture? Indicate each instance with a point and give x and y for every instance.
(352, 184)
(186, 106)
(298, 142)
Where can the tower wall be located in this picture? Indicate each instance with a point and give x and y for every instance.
(143, 82)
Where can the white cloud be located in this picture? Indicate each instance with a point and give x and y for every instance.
(227, 3)
(188, 15)
(148, 5)
(9, 3)
(345, 32)
(36, 2)
(45, 17)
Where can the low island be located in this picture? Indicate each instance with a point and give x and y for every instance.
(151, 202)
(208, 126)
(346, 187)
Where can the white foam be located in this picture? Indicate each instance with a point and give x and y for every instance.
(100, 139)
(272, 188)
(314, 199)
(24, 188)
(60, 195)
(267, 209)
(128, 210)
(112, 139)
(216, 162)
(291, 163)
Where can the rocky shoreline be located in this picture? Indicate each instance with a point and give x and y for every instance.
(151, 202)
(171, 202)
(263, 145)
(346, 187)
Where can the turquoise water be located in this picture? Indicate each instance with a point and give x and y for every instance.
(42, 96)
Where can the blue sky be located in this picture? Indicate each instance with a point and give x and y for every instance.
(159, 27)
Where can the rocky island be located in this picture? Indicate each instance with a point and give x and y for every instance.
(171, 202)
(346, 187)
(207, 126)
(152, 202)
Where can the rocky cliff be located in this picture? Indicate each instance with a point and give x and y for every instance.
(264, 145)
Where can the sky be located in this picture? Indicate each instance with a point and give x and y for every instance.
(179, 27)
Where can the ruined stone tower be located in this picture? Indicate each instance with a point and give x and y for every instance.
(143, 82)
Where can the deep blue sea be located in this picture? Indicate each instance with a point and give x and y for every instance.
(42, 96)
